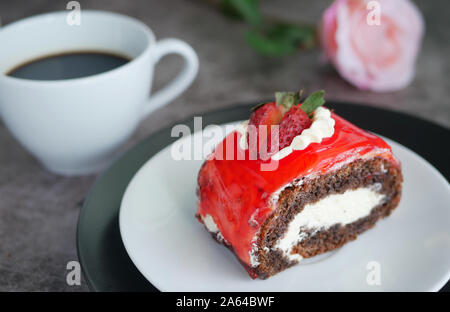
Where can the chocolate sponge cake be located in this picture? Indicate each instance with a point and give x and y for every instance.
(331, 182)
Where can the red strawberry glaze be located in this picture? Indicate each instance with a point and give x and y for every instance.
(236, 193)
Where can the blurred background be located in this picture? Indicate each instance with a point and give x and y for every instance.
(39, 210)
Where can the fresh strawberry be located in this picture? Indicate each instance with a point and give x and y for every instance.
(292, 124)
(267, 114)
(286, 112)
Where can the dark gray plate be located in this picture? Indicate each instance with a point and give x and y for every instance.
(106, 264)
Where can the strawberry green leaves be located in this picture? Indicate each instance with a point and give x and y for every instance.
(313, 101)
(309, 105)
(287, 99)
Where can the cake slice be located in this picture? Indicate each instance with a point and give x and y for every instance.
(318, 185)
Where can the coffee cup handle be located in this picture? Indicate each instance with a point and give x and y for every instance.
(182, 81)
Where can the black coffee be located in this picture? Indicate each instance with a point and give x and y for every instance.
(68, 66)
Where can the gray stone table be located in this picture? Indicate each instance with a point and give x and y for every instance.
(39, 210)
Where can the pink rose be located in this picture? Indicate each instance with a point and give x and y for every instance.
(370, 56)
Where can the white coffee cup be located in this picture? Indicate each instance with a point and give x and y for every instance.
(76, 126)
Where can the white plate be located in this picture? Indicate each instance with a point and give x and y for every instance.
(410, 249)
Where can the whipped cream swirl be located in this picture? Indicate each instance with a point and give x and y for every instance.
(322, 127)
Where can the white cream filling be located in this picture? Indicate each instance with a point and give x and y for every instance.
(254, 261)
(334, 209)
(340, 161)
(322, 127)
(211, 226)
